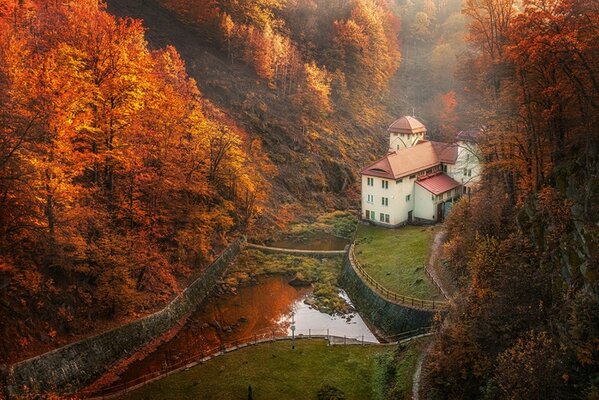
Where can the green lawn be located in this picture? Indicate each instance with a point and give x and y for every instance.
(275, 371)
(394, 372)
(395, 258)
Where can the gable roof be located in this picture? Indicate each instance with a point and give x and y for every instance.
(446, 152)
(472, 135)
(410, 160)
(437, 184)
(407, 125)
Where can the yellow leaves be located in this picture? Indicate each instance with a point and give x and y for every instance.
(319, 83)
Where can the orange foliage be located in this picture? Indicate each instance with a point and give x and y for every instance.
(113, 179)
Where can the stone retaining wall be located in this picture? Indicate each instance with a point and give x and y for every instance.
(297, 252)
(389, 317)
(72, 367)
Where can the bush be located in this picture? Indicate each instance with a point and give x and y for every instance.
(328, 392)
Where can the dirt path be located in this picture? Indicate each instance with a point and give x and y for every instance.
(434, 267)
(418, 372)
(446, 286)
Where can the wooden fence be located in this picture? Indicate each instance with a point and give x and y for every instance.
(173, 366)
(388, 294)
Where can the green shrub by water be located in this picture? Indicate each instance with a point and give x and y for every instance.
(322, 274)
(337, 223)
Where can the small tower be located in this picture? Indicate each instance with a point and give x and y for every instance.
(405, 132)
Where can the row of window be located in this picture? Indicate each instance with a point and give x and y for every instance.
(467, 172)
(371, 215)
(384, 200)
(384, 183)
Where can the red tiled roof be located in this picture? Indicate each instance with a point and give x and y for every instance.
(446, 152)
(403, 162)
(410, 160)
(407, 125)
(437, 184)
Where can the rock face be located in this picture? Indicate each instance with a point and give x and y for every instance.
(299, 282)
(391, 318)
(70, 368)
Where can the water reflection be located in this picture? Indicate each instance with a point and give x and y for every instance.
(309, 321)
(262, 310)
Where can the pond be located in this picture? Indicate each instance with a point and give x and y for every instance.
(261, 310)
(319, 241)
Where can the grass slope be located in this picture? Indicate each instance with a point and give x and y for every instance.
(275, 371)
(395, 258)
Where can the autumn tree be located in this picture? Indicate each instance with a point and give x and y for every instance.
(115, 183)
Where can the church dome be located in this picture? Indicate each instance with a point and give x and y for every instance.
(407, 125)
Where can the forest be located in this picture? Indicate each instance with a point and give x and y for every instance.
(524, 248)
(118, 180)
(124, 170)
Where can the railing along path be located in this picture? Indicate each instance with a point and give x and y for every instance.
(390, 295)
(170, 367)
(295, 251)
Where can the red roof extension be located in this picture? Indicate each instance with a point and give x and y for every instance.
(437, 184)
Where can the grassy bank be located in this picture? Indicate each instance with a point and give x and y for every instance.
(275, 371)
(337, 223)
(396, 258)
(394, 372)
(322, 274)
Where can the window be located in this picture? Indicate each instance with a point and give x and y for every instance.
(370, 198)
(465, 171)
(370, 181)
(467, 156)
(385, 184)
(387, 218)
(412, 176)
(444, 167)
(367, 214)
(408, 197)
(433, 197)
(469, 172)
(385, 201)
(399, 181)
(428, 171)
(372, 215)
(382, 217)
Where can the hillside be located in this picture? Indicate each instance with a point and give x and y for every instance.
(121, 180)
(339, 143)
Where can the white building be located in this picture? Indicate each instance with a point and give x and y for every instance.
(418, 180)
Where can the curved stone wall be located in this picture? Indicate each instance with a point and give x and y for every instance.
(72, 367)
(389, 317)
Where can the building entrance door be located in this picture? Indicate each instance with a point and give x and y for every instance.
(440, 213)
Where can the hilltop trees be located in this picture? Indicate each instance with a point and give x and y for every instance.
(293, 44)
(113, 180)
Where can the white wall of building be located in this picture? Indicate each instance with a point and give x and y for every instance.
(397, 208)
(402, 140)
(467, 167)
(425, 205)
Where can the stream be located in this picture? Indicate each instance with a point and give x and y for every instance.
(266, 308)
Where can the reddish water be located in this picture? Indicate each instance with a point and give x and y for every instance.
(256, 311)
